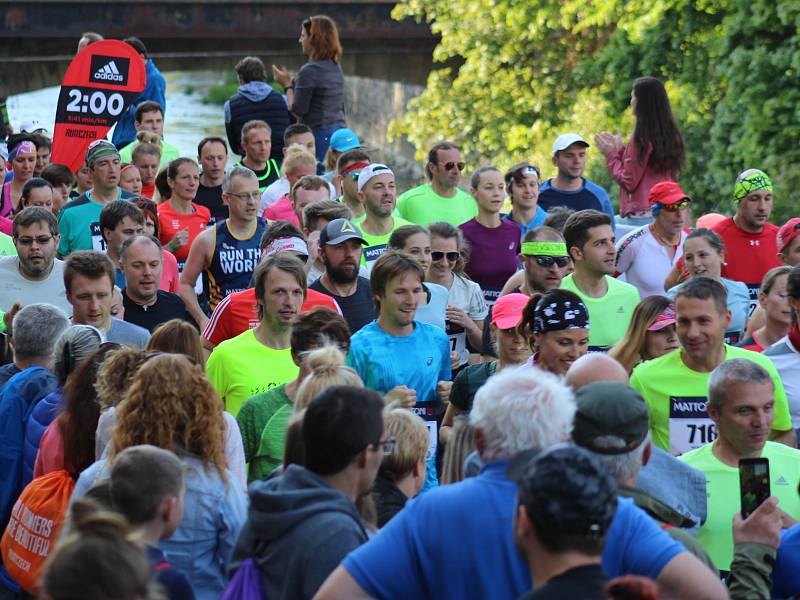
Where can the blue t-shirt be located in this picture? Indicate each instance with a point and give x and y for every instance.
(536, 221)
(467, 528)
(786, 574)
(590, 195)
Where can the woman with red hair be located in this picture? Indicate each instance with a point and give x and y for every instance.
(316, 93)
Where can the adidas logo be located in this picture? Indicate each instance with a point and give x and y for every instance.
(108, 72)
(621, 310)
(781, 481)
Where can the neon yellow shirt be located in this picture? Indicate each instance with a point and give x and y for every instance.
(676, 397)
(722, 489)
(610, 315)
(422, 206)
(376, 244)
(7, 247)
(242, 367)
(169, 153)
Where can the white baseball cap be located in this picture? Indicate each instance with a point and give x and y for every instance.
(565, 140)
(370, 171)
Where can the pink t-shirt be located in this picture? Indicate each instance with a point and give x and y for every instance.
(281, 210)
(635, 177)
(170, 278)
(51, 451)
(6, 226)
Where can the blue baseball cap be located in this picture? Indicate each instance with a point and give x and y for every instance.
(345, 139)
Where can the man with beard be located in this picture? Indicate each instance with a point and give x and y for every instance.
(35, 274)
(145, 304)
(340, 245)
(261, 359)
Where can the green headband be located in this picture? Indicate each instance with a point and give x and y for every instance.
(544, 249)
(750, 181)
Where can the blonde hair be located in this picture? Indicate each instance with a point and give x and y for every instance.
(145, 136)
(459, 445)
(297, 155)
(172, 405)
(326, 368)
(116, 374)
(411, 443)
(629, 350)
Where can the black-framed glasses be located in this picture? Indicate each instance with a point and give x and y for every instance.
(549, 261)
(451, 256)
(246, 195)
(675, 207)
(40, 240)
(452, 165)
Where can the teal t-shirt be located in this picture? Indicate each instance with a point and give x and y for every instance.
(255, 417)
(79, 224)
(610, 315)
(422, 206)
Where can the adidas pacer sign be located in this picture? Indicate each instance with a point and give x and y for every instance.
(101, 83)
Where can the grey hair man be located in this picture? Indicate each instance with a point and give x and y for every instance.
(741, 403)
(228, 251)
(611, 421)
(516, 410)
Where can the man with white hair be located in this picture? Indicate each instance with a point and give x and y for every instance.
(467, 528)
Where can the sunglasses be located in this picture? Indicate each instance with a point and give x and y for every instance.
(548, 261)
(675, 207)
(354, 176)
(454, 165)
(451, 256)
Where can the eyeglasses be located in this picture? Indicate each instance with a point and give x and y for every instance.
(451, 256)
(388, 445)
(28, 241)
(675, 207)
(246, 195)
(354, 176)
(548, 261)
(453, 165)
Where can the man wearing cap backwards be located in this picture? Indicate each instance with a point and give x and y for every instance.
(378, 195)
(748, 236)
(237, 312)
(522, 186)
(741, 403)
(646, 255)
(611, 422)
(675, 385)
(260, 359)
(565, 507)
(79, 220)
(397, 354)
(467, 527)
(569, 188)
(228, 252)
(340, 246)
(590, 241)
(441, 199)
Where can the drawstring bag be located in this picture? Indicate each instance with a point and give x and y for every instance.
(34, 526)
(246, 584)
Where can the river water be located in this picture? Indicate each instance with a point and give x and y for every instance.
(188, 118)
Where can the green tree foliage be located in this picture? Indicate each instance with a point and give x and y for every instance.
(515, 73)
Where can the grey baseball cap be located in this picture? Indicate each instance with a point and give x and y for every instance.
(338, 231)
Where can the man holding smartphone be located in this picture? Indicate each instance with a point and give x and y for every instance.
(741, 400)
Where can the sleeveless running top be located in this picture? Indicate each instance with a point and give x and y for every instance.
(271, 173)
(235, 259)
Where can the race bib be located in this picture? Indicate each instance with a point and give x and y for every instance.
(733, 337)
(98, 243)
(458, 341)
(198, 284)
(425, 412)
(753, 288)
(689, 424)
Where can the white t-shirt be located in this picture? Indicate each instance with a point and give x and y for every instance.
(644, 262)
(15, 288)
(466, 295)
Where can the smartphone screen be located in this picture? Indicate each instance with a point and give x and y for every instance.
(753, 483)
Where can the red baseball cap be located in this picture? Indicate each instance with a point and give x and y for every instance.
(507, 311)
(664, 319)
(787, 233)
(666, 192)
